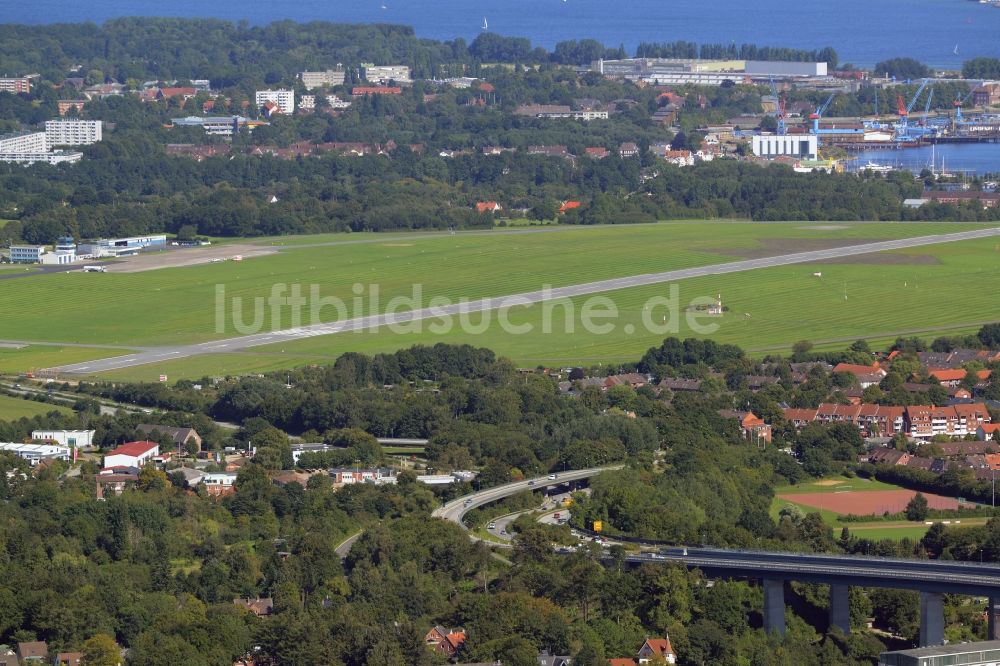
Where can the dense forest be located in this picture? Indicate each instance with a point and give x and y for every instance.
(156, 569)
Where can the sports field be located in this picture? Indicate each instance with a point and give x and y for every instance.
(834, 497)
(14, 408)
(929, 290)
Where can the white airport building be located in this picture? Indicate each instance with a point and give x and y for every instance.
(73, 132)
(26, 254)
(284, 99)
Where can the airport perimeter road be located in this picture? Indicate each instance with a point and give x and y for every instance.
(494, 303)
(456, 509)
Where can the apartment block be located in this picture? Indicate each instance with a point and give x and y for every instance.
(73, 132)
(330, 77)
(15, 85)
(284, 99)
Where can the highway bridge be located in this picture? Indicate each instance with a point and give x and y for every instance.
(931, 578)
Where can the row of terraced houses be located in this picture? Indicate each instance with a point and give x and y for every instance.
(918, 421)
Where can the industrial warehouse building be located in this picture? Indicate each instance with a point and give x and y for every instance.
(34, 453)
(802, 146)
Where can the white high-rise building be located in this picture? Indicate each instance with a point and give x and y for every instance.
(73, 132)
(284, 99)
(24, 142)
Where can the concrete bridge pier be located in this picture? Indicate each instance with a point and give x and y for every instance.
(993, 618)
(840, 607)
(931, 619)
(774, 605)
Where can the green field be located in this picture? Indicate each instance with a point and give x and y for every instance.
(785, 304)
(36, 357)
(14, 408)
(929, 291)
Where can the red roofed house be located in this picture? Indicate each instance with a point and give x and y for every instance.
(133, 454)
(657, 647)
(752, 427)
(569, 205)
(183, 93)
(444, 641)
(597, 153)
(953, 377)
(486, 87)
(988, 431)
(488, 207)
(799, 417)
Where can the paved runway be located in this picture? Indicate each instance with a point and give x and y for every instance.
(148, 356)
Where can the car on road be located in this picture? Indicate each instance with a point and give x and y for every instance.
(491, 526)
(553, 476)
(503, 532)
(531, 483)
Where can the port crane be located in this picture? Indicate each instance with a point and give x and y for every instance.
(903, 110)
(959, 101)
(780, 112)
(818, 113)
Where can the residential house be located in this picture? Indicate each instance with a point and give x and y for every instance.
(114, 480)
(628, 149)
(68, 659)
(185, 93)
(887, 456)
(988, 431)
(956, 358)
(33, 652)
(488, 207)
(680, 385)
(951, 378)
(546, 659)
(444, 641)
(867, 375)
(67, 105)
(596, 152)
(657, 647)
(800, 417)
(752, 427)
(261, 607)
(652, 648)
(220, 484)
(7, 656)
(180, 436)
(133, 454)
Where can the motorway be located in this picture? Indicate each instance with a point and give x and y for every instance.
(455, 510)
(162, 354)
(937, 576)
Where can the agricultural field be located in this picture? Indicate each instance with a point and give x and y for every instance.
(14, 408)
(833, 497)
(767, 309)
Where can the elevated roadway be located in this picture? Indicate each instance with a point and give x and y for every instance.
(931, 578)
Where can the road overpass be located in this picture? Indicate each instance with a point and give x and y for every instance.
(931, 578)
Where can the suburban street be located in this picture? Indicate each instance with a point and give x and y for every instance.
(375, 321)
